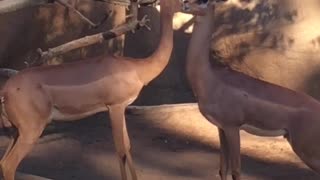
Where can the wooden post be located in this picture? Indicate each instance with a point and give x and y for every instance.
(115, 45)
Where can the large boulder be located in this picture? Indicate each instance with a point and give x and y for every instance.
(277, 41)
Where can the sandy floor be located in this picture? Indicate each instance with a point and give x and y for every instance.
(84, 150)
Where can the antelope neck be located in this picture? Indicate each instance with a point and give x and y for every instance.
(154, 65)
(199, 47)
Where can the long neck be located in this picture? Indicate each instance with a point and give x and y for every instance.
(199, 47)
(152, 66)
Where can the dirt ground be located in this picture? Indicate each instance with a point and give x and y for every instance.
(83, 150)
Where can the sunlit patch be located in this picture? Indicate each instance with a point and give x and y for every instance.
(158, 8)
(179, 20)
(243, 4)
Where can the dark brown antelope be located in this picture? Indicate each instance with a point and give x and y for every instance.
(35, 96)
(232, 101)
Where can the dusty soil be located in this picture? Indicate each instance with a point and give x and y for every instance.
(83, 150)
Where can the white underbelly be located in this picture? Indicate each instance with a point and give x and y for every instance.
(58, 115)
(262, 132)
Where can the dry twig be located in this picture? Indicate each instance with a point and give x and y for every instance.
(132, 24)
(7, 6)
(69, 6)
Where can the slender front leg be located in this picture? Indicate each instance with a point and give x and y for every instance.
(121, 140)
(233, 140)
(224, 155)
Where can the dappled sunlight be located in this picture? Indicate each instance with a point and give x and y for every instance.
(170, 142)
(192, 125)
(269, 40)
(250, 5)
(179, 20)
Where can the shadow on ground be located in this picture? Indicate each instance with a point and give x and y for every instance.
(84, 150)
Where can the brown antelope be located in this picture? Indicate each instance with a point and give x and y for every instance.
(35, 96)
(232, 101)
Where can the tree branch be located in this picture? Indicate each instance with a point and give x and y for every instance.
(69, 6)
(44, 57)
(7, 6)
(128, 2)
(14, 5)
(131, 25)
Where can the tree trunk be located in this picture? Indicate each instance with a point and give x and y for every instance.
(116, 45)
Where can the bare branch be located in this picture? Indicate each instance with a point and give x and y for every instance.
(67, 5)
(131, 25)
(7, 6)
(14, 5)
(117, 2)
(128, 2)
